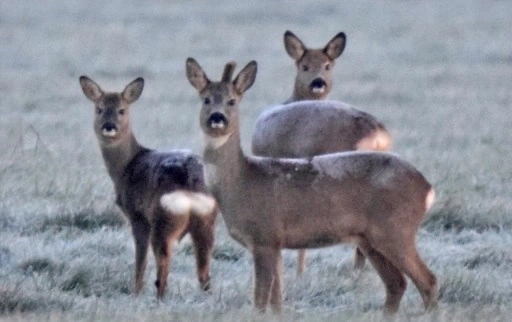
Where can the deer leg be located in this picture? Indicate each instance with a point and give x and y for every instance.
(407, 260)
(265, 266)
(276, 297)
(301, 262)
(359, 260)
(140, 231)
(201, 231)
(165, 232)
(392, 277)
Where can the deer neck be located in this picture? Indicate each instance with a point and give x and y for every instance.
(225, 163)
(118, 156)
(298, 95)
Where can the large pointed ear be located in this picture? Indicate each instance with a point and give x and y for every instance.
(335, 46)
(91, 90)
(246, 77)
(293, 45)
(195, 74)
(133, 90)
(228, 71)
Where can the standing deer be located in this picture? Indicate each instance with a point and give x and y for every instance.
(373, 199)
(306, 129)
(162, 194)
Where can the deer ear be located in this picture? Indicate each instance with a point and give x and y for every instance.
(133, 90)
(195, 74)
(91, 90)
(335, 46)
(246, 77)
(293, 45)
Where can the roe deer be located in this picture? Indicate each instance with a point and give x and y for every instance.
(306, 129)
(373, 199)
(162, 194)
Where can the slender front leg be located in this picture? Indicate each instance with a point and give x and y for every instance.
(266, 261)
(276, 297)
(359, 260)
(202, 233)
(140, 230)
(301, 262)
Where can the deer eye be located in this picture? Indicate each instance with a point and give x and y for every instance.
(206, 100)
(99, 110)
(328, 66)
(305, 68)
(231, 102)
(121, 111)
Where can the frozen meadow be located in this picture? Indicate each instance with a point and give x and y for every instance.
(437, 74)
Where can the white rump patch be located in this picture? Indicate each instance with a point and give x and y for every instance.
(183, 203)
(382, 141)
(109, 133)
(216, 142)
(379, 141)
(429, 201)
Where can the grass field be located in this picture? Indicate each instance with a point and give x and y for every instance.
(438, 74)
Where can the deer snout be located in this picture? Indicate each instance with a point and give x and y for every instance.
(109, 129)
(217, 120)
(318, 85)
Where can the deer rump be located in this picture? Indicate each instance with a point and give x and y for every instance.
(152, 173)
(308, 128)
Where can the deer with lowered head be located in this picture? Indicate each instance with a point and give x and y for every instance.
(163, 194)
(373, 199)
(302, 128)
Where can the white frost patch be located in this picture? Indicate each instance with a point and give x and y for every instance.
(182, 203)
(109, 133)
(216, 142)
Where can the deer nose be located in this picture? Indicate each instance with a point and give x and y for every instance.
(109, 127)
(217, 120)
(318, 83)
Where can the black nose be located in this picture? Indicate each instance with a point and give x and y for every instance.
(217, 118)
(318, 83)
(109, 126)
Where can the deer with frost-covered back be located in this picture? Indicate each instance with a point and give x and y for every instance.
(306, 125)
(162, 194)
(375, 200)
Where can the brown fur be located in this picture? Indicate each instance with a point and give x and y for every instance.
(305, 129)
(141, 178)
(375, 200)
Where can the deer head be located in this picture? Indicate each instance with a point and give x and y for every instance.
(219, 112)
(112, 117)
(314, 66)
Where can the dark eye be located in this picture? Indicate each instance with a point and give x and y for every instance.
(121, 111)
(328, 66)
(207, 100)
(99, 110)
(305, 68)
(231, 102)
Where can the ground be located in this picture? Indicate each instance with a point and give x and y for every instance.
(438, 75)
